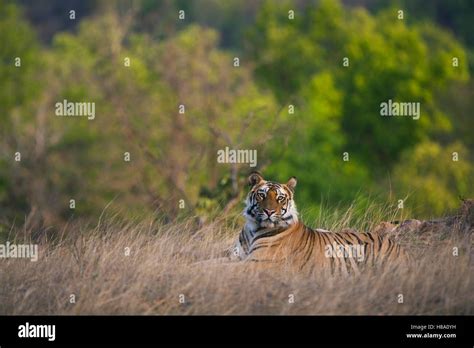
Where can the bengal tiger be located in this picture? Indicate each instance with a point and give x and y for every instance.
(273, 234)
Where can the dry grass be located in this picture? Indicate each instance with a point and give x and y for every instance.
(90, 262)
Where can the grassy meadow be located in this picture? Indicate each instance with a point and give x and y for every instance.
(145, 267)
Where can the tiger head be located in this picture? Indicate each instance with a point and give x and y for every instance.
(270, 204)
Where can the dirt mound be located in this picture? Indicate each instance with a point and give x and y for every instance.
(461, 224)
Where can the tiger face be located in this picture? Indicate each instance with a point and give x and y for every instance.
(270, 204)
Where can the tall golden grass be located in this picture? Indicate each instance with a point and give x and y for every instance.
(145, 267)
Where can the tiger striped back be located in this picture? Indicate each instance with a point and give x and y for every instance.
(311, 250)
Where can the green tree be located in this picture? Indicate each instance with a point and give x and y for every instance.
(315, 151)
(137, 84)
(433, 178)
(387, 60)
(19, 85)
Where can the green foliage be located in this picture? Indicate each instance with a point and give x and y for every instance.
(223, 107)
(387, 60)
(17, 41)
(458, 15)
(19, 85)
(173, 63)
(317, 144)
(432, 180)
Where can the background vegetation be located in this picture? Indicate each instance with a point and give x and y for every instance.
(282, 62)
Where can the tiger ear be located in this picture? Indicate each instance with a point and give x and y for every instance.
(292, 183)
(255, 178)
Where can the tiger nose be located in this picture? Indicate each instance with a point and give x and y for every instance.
(268, 212)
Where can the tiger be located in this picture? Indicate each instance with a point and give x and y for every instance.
(274, 234)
